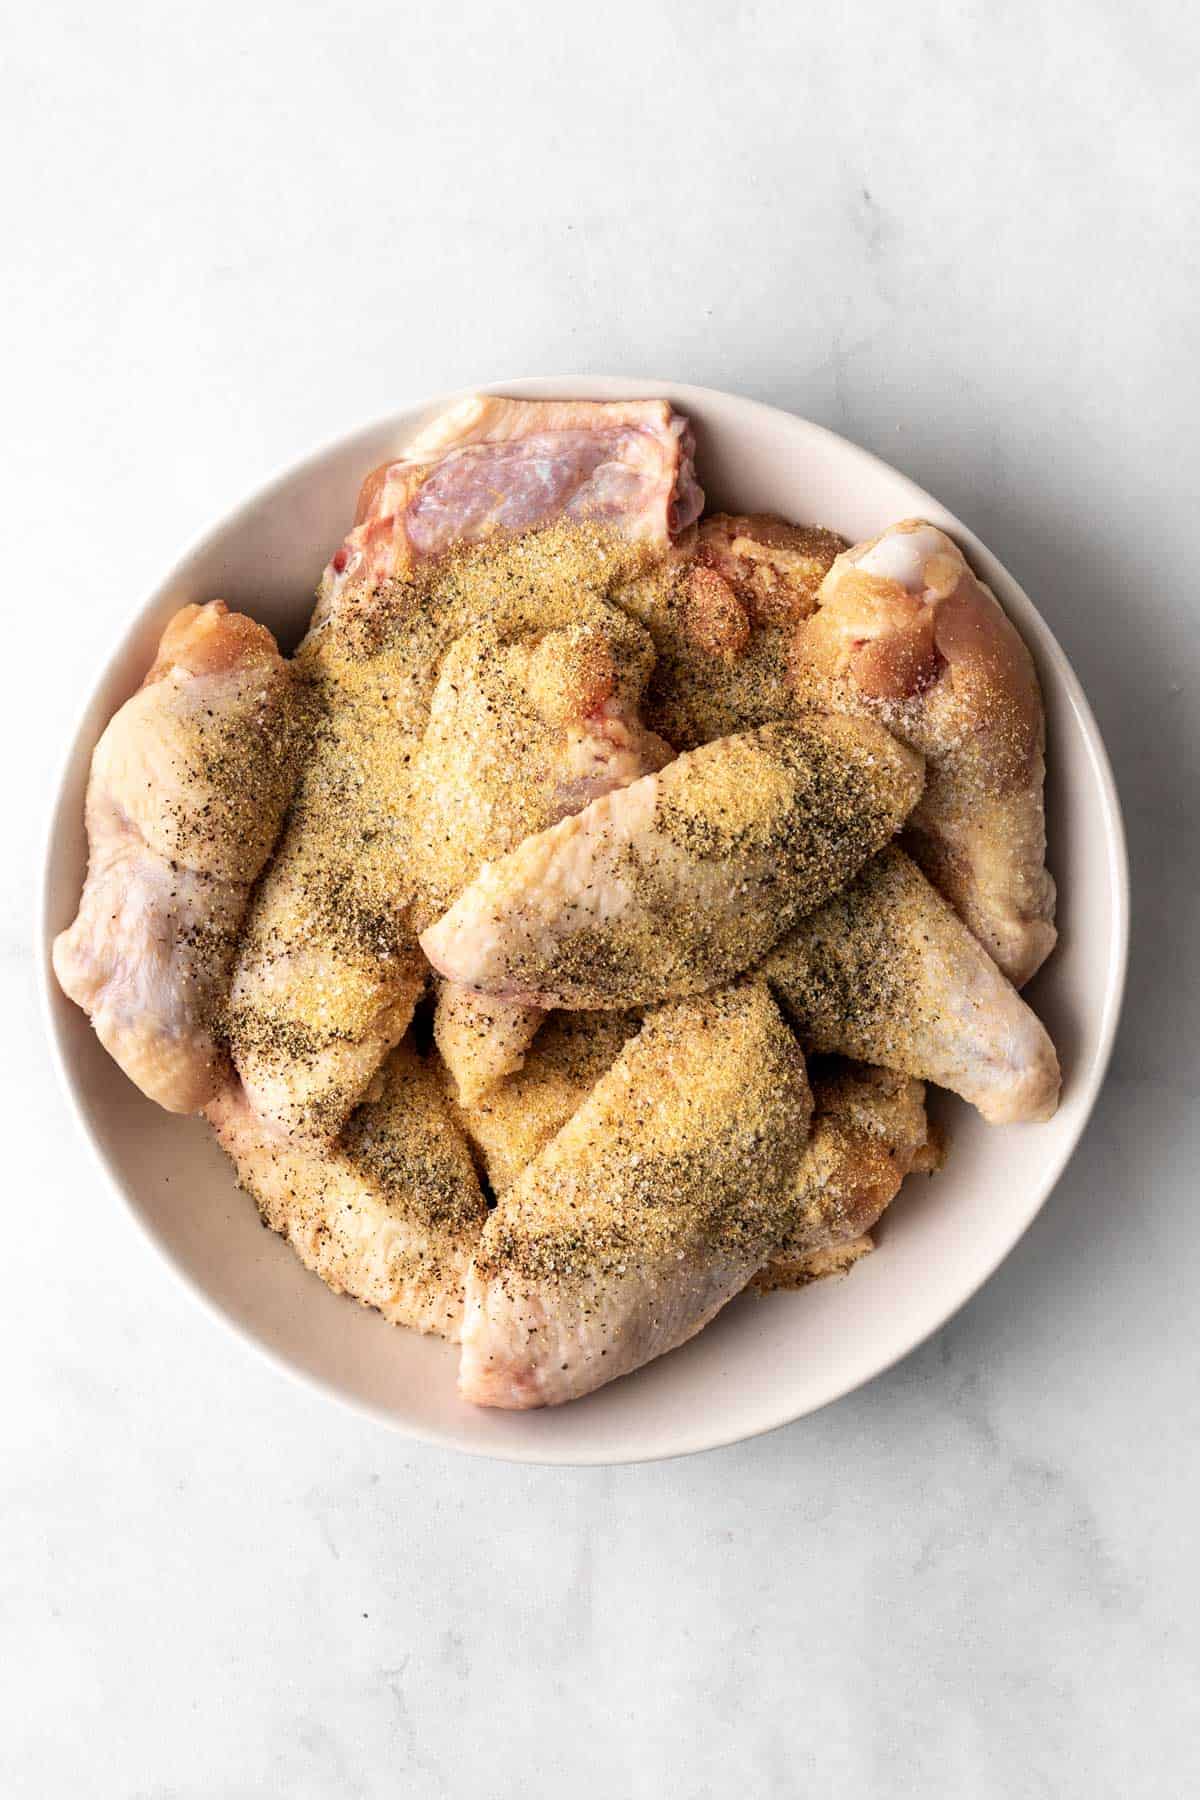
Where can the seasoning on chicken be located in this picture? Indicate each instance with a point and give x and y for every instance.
(526, 727)
(517, 513)
(493, 466)
(685, 878)
(650, 1209)
(906, 634)
(723, 609)
(328, 971)
(391, 1214)
(516, 1119)
(187, 791)
(869, 1130)
(886, 972)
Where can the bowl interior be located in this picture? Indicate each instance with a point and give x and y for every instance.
(764, 1361)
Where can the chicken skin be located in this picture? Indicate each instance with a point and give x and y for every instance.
(869, 1131)
(187, 791)
(650, 1209)
(683, 879)
(887, 973)
(526, 727)
(906, 634)
(391, 1214)
(493, 466)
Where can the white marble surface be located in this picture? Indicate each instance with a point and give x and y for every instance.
(964, 235)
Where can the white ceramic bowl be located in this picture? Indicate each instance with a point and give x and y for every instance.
(764, 1361)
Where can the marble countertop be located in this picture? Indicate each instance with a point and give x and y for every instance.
(963, 236)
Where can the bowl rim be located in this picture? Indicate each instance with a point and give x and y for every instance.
(1116, 852)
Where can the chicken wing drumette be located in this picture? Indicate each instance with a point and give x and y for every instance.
(188, 787)
(869, 1130)
(906, 634)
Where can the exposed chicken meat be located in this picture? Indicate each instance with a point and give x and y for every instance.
(886, 972)
(492, 465)
(651, 1208)
(674, 884)
(906, 634)
(188, 787)
(391, 1214)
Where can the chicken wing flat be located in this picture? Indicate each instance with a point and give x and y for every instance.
(187, 791)
(683, 879)
(869, 1130)
(650, 1209)
(906, 634)
(887, 973)
(391, 1214)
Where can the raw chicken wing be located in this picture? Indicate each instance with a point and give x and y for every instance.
(188, 787)
(886, 972)
(906, 634)
(674, 884)
(526, 727)
(651, 1208)
(869, 1130)
(328, 971)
